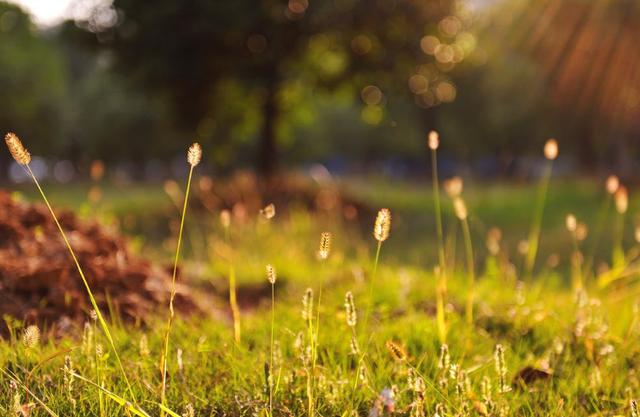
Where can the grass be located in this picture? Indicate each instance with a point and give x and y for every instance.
(582, 346)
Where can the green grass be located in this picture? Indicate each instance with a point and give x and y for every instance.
(588, 343)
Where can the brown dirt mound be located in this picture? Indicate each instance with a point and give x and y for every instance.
(246, 191)
(38, 279)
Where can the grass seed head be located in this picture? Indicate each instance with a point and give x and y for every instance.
(307, 305)
(382, 225)
(621, 198)
(269, 212)
(194, 154)
(433, 140)
(612, 184)
(17, 149)
(454, 186)
(494, 236)
(571, 223)
(633, 405)
(582, 230)
(225, 218)
(460, 208)
(501, 368)
(325, 245)
(31, 336)
(551, 149)
(396, 351)
(271, 274)
(350, 308)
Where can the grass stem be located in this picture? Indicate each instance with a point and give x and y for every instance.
(534, 233)
(441, 286)
(165, 351)
(94, 304)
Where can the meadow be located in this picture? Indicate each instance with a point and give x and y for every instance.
(370, 316)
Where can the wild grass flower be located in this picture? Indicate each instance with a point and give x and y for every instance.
(397, 352)
(325, 246)
(307, 305)
(271, 277)
(194, 156)
(576, 257)
(550, 153)
(350, 309)
(453, 187)
(433, 140)
(382, 225)
(23, 157)
(189, 411)
(486, 393)
(381, 230)
(225, 218)
(268, 212)
(501, 369)
(68, 379)
(551, 149)
(444, 366)
(612, 183)
(17, 150)
(441, 287)
(271, 274)
(143, 346)
(494, 237)
(418, 388)
(571, 223)
(621, 200)
(31, 337)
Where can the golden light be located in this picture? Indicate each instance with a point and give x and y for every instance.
(418, 84)
(361, 44)
(444, 53)
(371, 95)
(428, 44)
(450, 26)
(446, 92)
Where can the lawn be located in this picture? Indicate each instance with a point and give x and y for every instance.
(536, 346)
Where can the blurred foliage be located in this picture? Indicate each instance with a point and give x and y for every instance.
(354, 84)
(32, 79)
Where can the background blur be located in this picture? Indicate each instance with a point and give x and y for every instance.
(352, 84)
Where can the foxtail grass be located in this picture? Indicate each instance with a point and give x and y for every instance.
(621, 199)
(441, 287)
(550, 154)
(381, 231)
(194, 156)
(324, 251)
(271, 277)
(23, 158)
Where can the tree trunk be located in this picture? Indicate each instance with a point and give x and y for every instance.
(268, 153)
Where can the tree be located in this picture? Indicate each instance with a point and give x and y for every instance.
(199, 53)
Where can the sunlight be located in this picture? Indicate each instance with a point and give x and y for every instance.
(46, 12)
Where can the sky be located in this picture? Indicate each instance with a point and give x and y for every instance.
(50, 12)
(46, 12)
